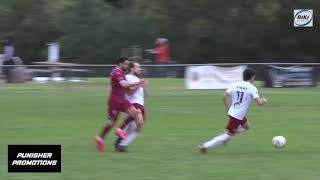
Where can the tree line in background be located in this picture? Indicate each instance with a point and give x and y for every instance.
(199, 31)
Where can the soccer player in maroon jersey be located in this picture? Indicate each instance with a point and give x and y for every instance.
(118, 103)
(136, 97)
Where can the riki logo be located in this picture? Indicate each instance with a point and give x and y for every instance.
(303, 18)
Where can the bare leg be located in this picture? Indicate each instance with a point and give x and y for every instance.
(106, 129)
(137, 116)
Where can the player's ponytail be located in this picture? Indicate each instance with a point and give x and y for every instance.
(131, 65)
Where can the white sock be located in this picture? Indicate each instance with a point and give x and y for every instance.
(130, 127)
(131, 132)
(240, 129)
(218, 140)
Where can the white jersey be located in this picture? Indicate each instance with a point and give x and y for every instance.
(138, 95)
(241, 93)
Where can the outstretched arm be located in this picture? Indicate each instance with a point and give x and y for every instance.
(126, 84)
(132, 90)
(261, 101)
(152, 51)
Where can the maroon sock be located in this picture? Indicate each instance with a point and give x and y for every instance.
(126, 122)
(106, 129)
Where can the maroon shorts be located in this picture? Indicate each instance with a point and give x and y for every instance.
(141, 108)
(234, 123)
(115, 107)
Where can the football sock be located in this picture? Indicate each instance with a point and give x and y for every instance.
(132, 134)
(240, 129)
(218, 140)
(130, 127)
(109, 125)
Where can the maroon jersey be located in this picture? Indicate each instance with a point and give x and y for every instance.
(117, 102)
(117, 91)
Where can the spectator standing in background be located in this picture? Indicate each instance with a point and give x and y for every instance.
(8, 48)
(161, 51)
(161, 55)
(8, 52)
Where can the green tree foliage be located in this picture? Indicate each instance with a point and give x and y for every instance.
(29, 24)
(200, 31)
(235, 31)
(94, 32)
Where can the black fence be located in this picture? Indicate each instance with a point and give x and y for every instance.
(268, 72)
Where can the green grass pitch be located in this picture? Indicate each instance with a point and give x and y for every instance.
(177, 121)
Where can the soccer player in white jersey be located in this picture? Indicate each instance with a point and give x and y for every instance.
(136, 97)
(241, 93)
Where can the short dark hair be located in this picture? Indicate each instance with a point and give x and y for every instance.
(122, 60)
(248, 74)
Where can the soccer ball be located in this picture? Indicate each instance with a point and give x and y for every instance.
(279, 141)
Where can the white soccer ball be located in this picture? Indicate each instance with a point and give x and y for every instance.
(279, 141)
